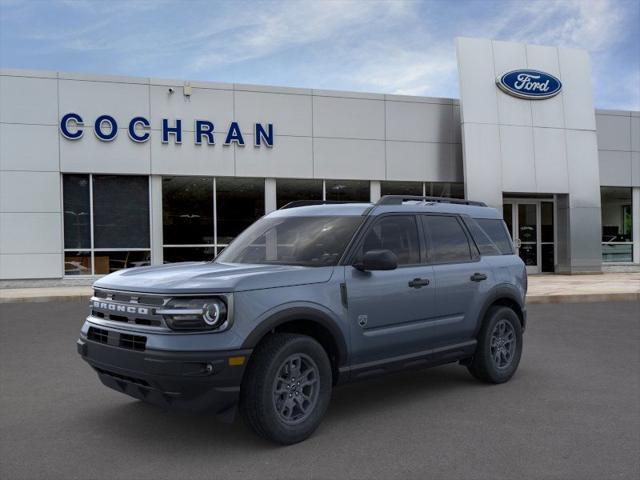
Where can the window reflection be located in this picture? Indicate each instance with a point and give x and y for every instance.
(187, 210)
(291, 190)
(348, 190)
(401, 188)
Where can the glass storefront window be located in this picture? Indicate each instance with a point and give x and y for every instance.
(189, 254)
(290, 190)
(187, 211)
(547, 255)
(201, 215)
(429, 189)
(617, 224)
(507, 215)
(239, 203)
(77, 262)
(348, 190)
(401, 188)
(120, 211)
(117, 207)
(108, 262)
(77, 214)
(444, 189)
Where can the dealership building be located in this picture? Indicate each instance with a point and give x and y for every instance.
(99, 173)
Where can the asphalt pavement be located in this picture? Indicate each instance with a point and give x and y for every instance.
(571, 412)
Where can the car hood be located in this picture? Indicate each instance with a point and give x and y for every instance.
(208, 277)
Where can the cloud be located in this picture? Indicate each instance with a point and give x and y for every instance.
(402, 46)
(291, 25)
(590, 24)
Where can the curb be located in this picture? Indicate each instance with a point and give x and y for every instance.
(583, 298)
(45, 298)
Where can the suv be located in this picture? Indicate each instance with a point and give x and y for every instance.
(310, 296)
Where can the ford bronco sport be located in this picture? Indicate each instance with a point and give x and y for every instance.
(310, 296)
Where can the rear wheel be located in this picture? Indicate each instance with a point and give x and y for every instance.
(287, 388)
(499, 346)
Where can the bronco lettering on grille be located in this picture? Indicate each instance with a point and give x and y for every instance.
(115, 307)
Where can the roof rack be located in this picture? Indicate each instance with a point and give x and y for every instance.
(307, 203)
(400, 199)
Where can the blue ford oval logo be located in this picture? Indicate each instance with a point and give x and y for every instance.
(529, 84)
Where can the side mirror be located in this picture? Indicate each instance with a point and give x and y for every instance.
(377, 260)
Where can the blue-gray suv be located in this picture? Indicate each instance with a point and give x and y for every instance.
(310, 296)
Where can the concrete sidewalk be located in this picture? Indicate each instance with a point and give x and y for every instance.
(606, 287)
(542, 289)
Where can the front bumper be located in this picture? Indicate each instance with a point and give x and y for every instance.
(195, 381)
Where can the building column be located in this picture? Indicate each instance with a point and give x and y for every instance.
(374, 191)
(155, 204)
(635, 219)
(270, 201)
(578, 244)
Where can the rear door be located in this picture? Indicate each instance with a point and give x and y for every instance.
(461, 276)
(389, 310)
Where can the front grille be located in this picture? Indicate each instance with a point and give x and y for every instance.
(98, 335)
(128, 308)
(129, 297)
(120, 318)
(133, 342)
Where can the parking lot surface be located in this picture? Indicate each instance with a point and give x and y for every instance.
(571, 412)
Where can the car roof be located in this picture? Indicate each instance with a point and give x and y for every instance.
(355, 209)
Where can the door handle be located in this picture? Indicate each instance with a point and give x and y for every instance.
(478, 277)
(419, 282)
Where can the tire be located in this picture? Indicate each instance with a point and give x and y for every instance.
(274, 406)
(496, 358)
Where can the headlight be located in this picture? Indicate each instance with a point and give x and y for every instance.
(195, 314)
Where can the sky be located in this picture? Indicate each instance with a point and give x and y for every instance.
(402, 47)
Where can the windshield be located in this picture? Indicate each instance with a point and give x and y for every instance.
(307, 241)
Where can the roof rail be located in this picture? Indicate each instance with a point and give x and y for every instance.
(400, 199)
(307, 203)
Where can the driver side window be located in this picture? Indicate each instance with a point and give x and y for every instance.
(398, 233)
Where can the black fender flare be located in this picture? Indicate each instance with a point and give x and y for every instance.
(500, 292)
(300, 313)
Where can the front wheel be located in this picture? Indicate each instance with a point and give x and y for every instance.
(499, 346)
(287, 388)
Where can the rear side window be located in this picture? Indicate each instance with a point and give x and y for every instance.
(484, 243)
(447, 242)
(497, 231)
(396, 233)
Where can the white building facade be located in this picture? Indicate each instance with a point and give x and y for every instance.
(99, 173)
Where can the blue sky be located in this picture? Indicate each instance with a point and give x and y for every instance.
(398, 46)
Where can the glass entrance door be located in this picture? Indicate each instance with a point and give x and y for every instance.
(531, 224)
(527, 235)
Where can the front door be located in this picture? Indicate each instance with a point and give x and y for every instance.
(531, 224)
(389, 311)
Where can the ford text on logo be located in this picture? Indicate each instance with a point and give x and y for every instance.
(105, 128)
(529, 84)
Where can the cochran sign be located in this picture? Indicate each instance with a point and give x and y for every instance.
(105, 128)
(529, 84)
